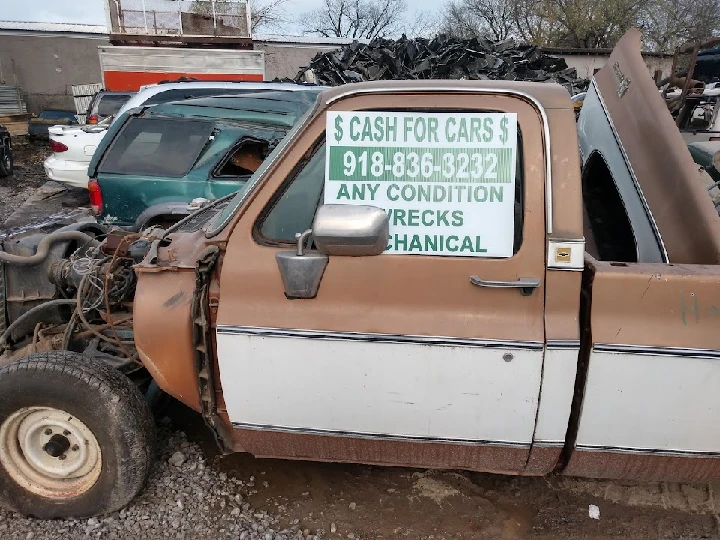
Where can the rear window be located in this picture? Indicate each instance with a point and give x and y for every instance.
(58, 115)
(110, 104)
(156, 147)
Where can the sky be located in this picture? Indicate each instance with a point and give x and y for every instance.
(93, 11)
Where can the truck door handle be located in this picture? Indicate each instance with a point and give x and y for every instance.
(525, 284)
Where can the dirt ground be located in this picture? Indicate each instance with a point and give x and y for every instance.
(28, 182)
(354, 501)
(382, 502)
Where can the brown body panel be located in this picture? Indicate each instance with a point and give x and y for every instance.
(661, 305)
(163, 316)
(651, 306)
(643, 466)
(252, 293)
(431, 455)
(163, 332)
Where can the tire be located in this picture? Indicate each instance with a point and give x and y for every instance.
(6, 159)
(107, 417)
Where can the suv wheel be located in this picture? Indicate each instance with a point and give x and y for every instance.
(6, 159)
(76, 436)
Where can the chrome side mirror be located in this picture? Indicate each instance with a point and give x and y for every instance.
(355, 231)
(301, 272)
(338, 229)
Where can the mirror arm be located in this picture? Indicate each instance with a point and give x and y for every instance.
(301, 237)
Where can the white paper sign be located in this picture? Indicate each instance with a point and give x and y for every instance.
(447, 181)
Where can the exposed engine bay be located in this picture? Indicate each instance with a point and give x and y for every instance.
(72, 289)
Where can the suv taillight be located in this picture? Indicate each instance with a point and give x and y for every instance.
(56, 146)
(93, 119)
(96, 201)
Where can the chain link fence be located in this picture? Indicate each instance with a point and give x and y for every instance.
(181, 17)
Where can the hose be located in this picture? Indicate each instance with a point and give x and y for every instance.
(44, 248)
(22, 318)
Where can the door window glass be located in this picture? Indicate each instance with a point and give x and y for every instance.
(294, 210)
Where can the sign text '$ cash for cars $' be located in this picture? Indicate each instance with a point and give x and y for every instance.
(447, 181)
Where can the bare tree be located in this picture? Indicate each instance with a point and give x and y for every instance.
(562, 23)
(493, 19)
(269, 14)
(590, 23)
(669, 23)
(360, 19)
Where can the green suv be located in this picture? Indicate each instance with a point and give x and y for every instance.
(157, 164)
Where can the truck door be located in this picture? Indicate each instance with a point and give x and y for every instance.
(401, 358)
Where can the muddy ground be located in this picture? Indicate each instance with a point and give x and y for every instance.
(384, 502)
(354, 501)
(27, 196)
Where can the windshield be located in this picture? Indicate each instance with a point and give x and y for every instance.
(110, 104)
(156, 147)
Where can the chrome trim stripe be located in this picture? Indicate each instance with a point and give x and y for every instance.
(646, 350)
(330, 335)
(568, 240)
(468, 90)
(562, 344)
(548, 444)
(645, 451)
(640, 193)
(375, 436)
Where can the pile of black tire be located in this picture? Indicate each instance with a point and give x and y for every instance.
(442, 57)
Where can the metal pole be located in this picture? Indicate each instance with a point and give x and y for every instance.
(180, 16)
(212, 2)
(144, 16)
(247, 16)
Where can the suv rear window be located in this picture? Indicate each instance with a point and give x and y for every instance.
(110, 104)
(58, 115)
(156, 147)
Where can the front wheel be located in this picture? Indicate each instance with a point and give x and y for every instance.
(76, 437)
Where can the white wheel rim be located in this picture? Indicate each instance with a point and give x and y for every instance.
(49, 452)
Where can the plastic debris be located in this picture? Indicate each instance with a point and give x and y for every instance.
(593, 512)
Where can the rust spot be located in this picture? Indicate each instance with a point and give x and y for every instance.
(174, 300)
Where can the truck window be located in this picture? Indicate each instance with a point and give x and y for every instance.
(294, 210)
(609, 231)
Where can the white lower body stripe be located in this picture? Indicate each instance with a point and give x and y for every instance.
(411, 390)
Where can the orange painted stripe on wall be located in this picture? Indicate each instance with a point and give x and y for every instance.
(133, 80)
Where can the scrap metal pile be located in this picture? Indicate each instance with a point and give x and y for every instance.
(443, 57)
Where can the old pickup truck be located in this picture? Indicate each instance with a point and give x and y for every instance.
(421, 274)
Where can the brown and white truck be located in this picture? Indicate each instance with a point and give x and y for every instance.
(423, 273)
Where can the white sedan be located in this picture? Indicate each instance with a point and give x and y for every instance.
(73, 148)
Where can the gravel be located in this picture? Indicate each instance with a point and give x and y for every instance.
(185, 499)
